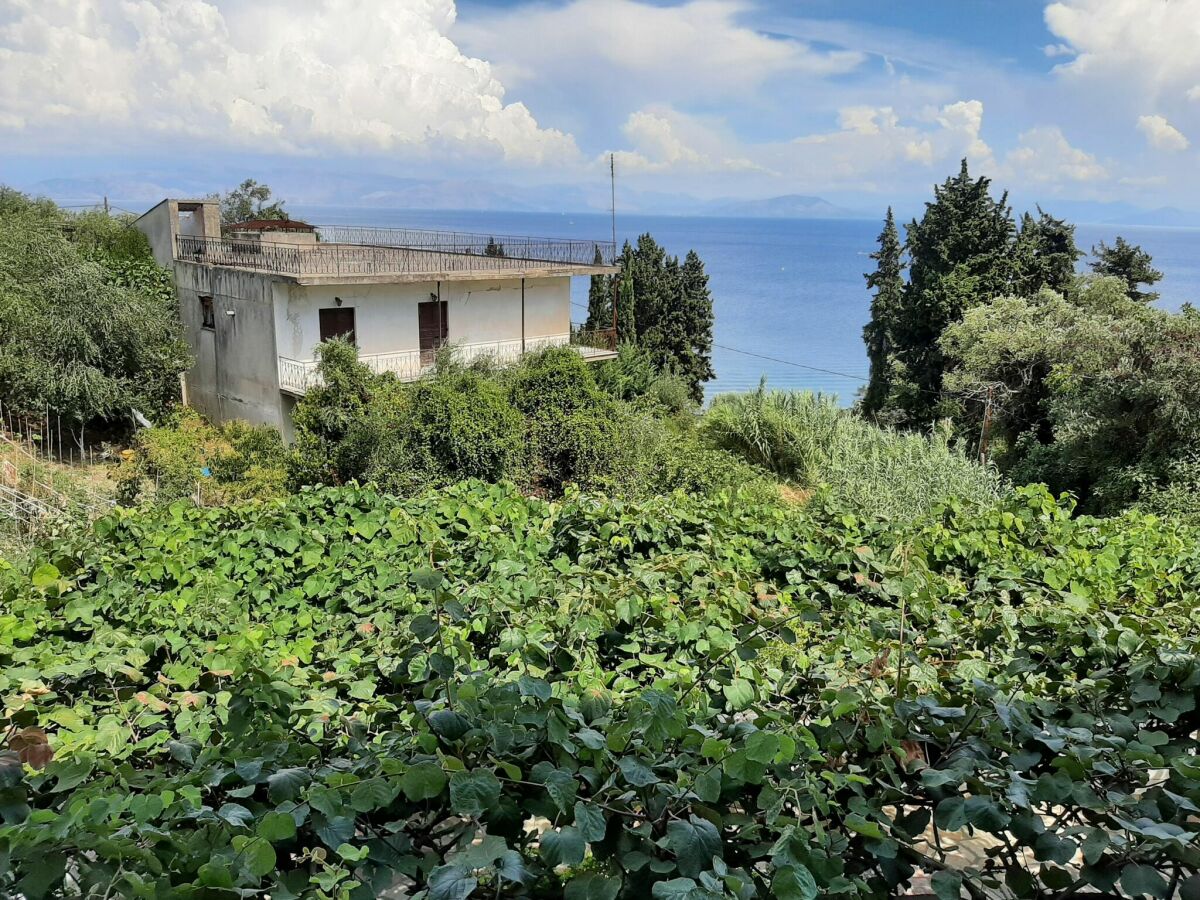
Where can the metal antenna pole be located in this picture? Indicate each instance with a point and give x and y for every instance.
(616, 285)
(612, 180)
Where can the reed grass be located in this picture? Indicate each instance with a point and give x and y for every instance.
(808, 439)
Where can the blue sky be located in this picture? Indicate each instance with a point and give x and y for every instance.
(861, 102)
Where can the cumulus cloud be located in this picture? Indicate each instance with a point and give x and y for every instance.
(965, 118)
(668, 141)
(1044, 155)
(374, 76)
(1150, 44)
(697, 49)
(1161, 134)
(876, 142)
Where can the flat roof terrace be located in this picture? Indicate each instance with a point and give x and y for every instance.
(343, 254)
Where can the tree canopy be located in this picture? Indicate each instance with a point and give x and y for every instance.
(666, 307)
(1131, 264)
(88, 324)
(250, 200)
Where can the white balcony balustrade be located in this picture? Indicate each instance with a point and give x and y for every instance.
(299, 376)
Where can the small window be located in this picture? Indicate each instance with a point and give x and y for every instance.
(208, 318)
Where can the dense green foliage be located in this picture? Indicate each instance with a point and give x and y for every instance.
(1131, 264)
(809, 440)
(543, 424)
(1074, 381)
(695, 699)
(89, 330)
(965, 250)
(186, 457)
(662, 305)
(1095, 393)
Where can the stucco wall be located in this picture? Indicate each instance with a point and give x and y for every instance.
(161, 223)
(156, 225)
(235, 373)
(386, 314)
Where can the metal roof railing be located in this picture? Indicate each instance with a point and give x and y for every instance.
(343, 250)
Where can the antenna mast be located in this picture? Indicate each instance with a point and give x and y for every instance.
(612, 180)
(616, 290)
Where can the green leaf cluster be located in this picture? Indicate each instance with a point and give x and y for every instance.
(476, 694)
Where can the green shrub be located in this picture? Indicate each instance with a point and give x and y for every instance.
(188, 457)
(453, 426)
(336, 430)
(572, 424)
(809, 439)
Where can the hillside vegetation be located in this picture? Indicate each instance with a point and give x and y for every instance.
(696, 698)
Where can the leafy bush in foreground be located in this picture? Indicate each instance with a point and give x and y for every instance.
(699, 699)
(808, 438)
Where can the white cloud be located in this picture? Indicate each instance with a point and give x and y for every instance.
(1194, 93)
(1148, 44)
(1056, 50)
(877, 144)
(698, 49)
(668, 141)
(1161, 134)
(1044, 155)
(965, 118)
(867, 119)
(358, 76)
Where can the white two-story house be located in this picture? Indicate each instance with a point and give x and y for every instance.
(257, 298)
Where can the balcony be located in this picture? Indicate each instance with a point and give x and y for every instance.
(403, 254)
(298, 376)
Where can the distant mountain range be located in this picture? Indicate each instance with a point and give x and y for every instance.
(789, 206)
(374, 190)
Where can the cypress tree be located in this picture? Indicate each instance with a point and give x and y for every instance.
(696, 313)
(626, 323)
(961, 254)
(887, 281)
(599, 299)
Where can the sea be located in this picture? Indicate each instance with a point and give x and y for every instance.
(788, 294)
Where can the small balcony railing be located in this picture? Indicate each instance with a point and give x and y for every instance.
(355, 251)
(299, 376)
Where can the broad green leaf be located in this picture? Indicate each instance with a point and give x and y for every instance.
(562, 846)
(424, 781)
(592, 886)
(694, 843)
(473, 793)
(276, 826)
(794, 882)
(451, 883)
(589, 819)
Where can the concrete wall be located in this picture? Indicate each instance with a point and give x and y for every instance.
(235, 374)
(160, 224)
(386, 314)
(156, 224)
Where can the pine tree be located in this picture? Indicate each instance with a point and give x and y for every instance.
(600, 299)
(1131, 264)
(961, 254)
(888, 283)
